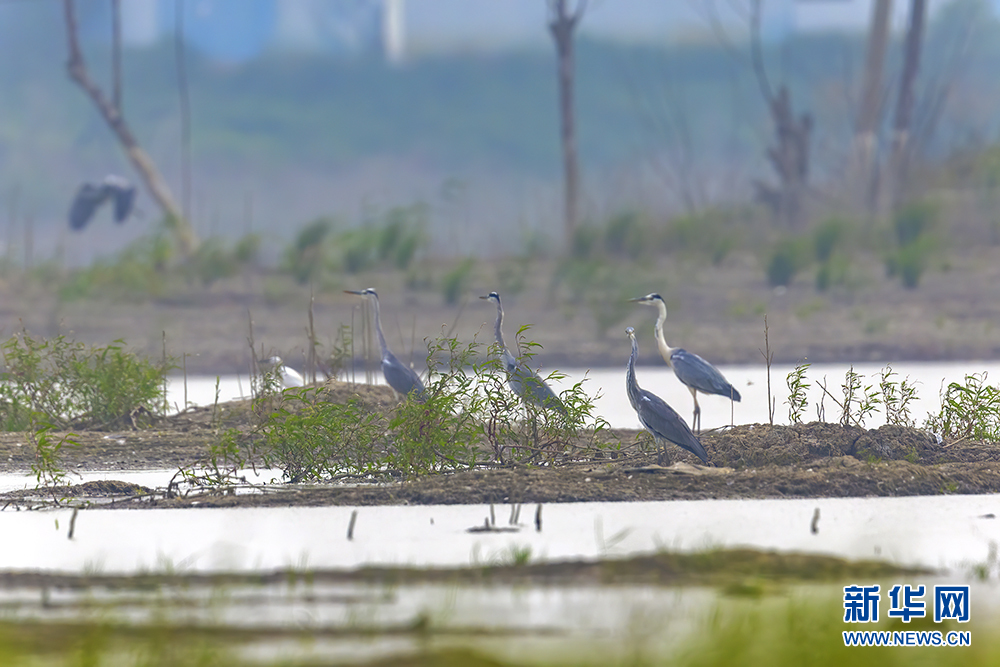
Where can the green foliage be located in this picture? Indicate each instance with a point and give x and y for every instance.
(827, 236)
(797, 387)
(912, 227)
(455, 283)
(710, 234)
(968, 410)
(305, 257)
(860, 401)
(627, 235)
(602, 287)
(467, 416)
(138, 272)
(896, 398)
(787, 258)
(47, 467)
(63, 383)
(520, 431)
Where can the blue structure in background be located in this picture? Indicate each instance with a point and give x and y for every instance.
(227, 31)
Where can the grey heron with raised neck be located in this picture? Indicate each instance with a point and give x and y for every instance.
(403, 379)
(693, 371)
(523, 381)
(661, 420)
(90, 197)
(289, 376)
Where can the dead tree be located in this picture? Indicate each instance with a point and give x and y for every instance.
(562, 24)
(110, 110)
(790, 154)
(894, 179)
(861, 179)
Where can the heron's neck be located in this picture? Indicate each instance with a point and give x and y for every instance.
(497, 331)
(661, 342)
(631, 384)
(378, 329)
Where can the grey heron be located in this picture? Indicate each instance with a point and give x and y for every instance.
(289, 376)
(524, 382)
(662, 422)
(398, 375)
(90, 197)
(693, 371)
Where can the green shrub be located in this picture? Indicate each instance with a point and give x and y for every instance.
(709, 234)
(968, 410)
(455, 282)
(70, 384)
(827, 237)
(787, 259)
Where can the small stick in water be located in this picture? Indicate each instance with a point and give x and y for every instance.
(350, 525)
(72, 522)
(538, 518)
(814, 526)
(493, 516)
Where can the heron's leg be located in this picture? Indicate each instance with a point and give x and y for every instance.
(696, 420)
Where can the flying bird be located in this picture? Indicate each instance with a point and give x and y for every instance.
(693, 371)
(523, 381)
(662, 422)
(90, 197)
(398, 375)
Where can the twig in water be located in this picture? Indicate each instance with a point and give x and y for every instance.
(538, 518)
(814, 525)
(493, 516)
(350, 524)
(72, 522)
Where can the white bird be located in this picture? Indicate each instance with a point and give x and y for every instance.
(289, 376)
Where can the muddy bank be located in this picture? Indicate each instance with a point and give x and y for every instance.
(749, 461)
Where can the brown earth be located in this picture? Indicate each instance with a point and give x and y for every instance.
(715, 310)
(749, 461)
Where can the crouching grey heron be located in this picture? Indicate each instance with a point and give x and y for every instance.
(90, 197)
(662, 422)
(398, 375)
(693, 371)
(289, 376)
(523, 381)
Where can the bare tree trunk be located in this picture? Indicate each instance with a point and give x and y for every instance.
(116, 54)
(562, 24)
(894, 183)
(790, 155)
(861, 176)
(186, 238)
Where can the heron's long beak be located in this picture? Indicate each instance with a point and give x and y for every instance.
(639, 299)
(350, 291)
(484, 297)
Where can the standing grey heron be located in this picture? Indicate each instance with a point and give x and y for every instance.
(693, 371)
(662, 422)
(90, 197)
(289, 376)
(523, 381)
(398, 375)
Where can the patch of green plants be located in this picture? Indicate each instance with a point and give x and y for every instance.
(67, 384)
(912, 228)
(455, 282)
(467, 417)
(969, 409)
(797, 388)
(860, 400)
(787, 258)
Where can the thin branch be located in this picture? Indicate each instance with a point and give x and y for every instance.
(116, 53)
(185, 102)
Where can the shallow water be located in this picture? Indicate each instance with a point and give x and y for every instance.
(749, 380)
(938, 532)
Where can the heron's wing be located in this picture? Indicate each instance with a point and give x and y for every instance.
(695, 372)
(401, 377)
(533, 388)
(124, 199)
(87, 199)
(664, 423)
